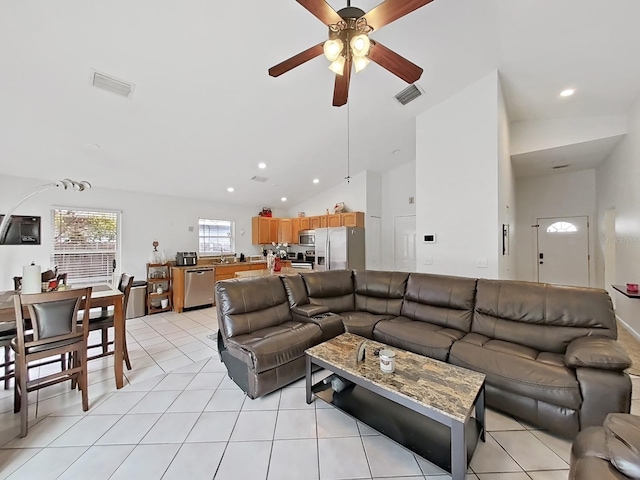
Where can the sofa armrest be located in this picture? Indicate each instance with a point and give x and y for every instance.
(622, 436)
(596, 352)
(310, 310)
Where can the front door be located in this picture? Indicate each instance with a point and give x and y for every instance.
(563, 251)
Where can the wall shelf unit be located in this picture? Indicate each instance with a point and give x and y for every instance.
(159, 278)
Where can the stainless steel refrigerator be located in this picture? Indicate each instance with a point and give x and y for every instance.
(339, 248)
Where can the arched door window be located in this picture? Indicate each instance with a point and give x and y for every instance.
(561, 227)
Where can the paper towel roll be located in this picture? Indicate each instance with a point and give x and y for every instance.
(31, 279)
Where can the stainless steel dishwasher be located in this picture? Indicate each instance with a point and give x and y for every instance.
(199, 286)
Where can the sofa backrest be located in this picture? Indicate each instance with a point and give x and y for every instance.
(247, 305)
(541, 316)
(332, 288)
(296, 290)
(379, 293)
(440, 299)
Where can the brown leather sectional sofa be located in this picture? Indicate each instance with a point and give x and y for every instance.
(549, 352)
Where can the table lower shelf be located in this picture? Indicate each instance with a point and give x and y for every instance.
(422, 435)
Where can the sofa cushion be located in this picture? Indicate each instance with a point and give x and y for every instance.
(361, 323)
(380, 293)
(440, 299)
(333, 288)
(248, 305)
(296, 290)
(423, 338)
(271, 347)
(516, 368)
(541, 316)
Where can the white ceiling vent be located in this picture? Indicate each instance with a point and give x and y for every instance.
(409, 94)
(258, 178)
(111, 84)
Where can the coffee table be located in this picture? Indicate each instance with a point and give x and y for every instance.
(425, 405)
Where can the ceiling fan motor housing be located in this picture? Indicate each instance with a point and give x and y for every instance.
(353, 24)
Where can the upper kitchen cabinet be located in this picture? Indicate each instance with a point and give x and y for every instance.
(315, 222)
(295, 229)
(286, 231)
(334, 220)
(352, 219)
(264, 230)
(305, 223)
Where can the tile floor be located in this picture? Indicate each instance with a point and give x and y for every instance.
(195, 423)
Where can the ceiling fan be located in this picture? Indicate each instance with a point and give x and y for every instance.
(349, 44)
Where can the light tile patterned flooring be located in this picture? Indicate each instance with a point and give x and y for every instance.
(195, 423)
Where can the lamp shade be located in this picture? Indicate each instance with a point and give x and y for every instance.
(332, 49)
(337, 66)
(360, 63)
(360, 45)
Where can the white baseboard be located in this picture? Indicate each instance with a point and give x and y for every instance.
(629, 329)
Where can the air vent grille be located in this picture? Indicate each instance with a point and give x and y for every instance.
(409, 94)
(258, 178)
(111, 84)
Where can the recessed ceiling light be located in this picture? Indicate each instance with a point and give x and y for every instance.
(284, 199)
(316, 180)
(567, 93)
(230, 189)
(262, 165)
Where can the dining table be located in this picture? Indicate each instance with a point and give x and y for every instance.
(102, 296)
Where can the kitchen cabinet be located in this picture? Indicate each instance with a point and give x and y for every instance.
(295, 229)
(264, 230)
(158, 288)
(285, 231)
(315, 222)
(305, 223)
(334, 220)
(352, 219)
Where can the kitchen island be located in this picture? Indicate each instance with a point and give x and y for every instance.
(266, 272)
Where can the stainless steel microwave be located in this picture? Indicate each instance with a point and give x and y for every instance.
(307, 238)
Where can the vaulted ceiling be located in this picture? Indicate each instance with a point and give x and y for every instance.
(204, 111)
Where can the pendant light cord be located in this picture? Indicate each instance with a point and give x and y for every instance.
(348, 177)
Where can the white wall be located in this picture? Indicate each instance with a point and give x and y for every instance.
(506, 195)
(373, 221)
(145, 218)
(397, 186)
(617, 186)
(558, 195)
(457, 182)
(534, 135)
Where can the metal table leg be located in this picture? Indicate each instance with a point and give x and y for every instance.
(308, 378)
(458, 451)
(480, 414)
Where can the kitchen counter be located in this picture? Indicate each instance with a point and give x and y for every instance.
(265, 272)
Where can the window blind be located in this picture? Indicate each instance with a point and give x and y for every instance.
(216, 236)
(84, 244)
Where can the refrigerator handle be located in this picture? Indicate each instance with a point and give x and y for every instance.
(327, 249)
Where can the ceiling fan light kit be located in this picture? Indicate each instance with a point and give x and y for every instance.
(350, 27)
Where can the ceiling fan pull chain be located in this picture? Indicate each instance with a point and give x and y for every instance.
(348, 177)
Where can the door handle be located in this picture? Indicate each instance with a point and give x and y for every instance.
(541, 263)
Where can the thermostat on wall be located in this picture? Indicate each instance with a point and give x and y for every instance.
(429, 238)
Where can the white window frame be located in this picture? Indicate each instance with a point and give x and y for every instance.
(114, 276)
(232, 237)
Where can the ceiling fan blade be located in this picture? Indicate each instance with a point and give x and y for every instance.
(321, 10)
(396, 64)
(296, 60)
(391, 10)
(341, 88)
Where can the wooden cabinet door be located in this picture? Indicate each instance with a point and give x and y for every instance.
(334, 220)
(285, 235)
(295, 229)
(273, 230)
(352, 219)
(315, 222)
(323, 221)
(305, 223)
(260, 230)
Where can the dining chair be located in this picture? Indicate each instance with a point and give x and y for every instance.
(7, 333)
(55, 331)
(105, 320)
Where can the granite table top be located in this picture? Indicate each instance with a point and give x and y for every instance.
(448, 389)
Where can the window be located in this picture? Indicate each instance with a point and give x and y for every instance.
(216, 236)
(85, 244)
(561, 227)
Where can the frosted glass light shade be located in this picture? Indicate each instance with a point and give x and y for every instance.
(360, 63)
(332, 49)
(360, 45)
(338, 65)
